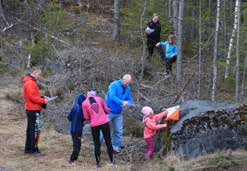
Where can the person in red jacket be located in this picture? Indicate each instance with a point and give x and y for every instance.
(150, 119)
(33, 107)
(95, 109)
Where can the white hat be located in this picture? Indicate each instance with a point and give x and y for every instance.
(146, 110)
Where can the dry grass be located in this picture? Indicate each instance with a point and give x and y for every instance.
(58, 148)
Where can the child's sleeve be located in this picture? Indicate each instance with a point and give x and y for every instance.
(69, 116)
(72, 111)
(160, 115)
(175, 51)
(163, 43)
(85, 112)
(154, 126)
(105, 107)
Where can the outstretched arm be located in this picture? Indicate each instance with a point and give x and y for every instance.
(154, 126)
(160, 115)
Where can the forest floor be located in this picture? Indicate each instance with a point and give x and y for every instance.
(57, 146)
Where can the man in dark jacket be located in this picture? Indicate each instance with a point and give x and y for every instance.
(33, 106)
(76, 118)
(153, 35)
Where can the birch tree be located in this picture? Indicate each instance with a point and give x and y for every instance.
(237, 84)
(215, 51)
(179, 40)
(244, 75)
(116, 20)
(231, 39)
(200, 49)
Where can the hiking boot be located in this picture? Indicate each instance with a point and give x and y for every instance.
(116, 151)
(72, 162)
(27, 152)
(98, 165)
(167, 75)
(37, 154)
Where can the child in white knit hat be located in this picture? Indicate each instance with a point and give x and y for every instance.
(151, 126)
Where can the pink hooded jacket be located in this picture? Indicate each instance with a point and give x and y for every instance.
(150, 124)
(95, 112)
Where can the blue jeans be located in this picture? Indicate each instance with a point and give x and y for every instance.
(117, 134)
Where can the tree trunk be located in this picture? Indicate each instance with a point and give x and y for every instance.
(224, 25)
(29, 57)
(237, 80)
(170, 10)
(116, 20)
(200, 49)
(215, 51)
(231, 40)
(180, 40)
(2, 13)
(244, 74)
(175, 16)
(143, 49)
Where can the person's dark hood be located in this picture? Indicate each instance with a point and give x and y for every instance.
(79, 99)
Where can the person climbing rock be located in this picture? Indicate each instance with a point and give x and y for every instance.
(152, 31)
(76, 118)
(33, 107)
(150, 119)
(170, 52)
(95, 110)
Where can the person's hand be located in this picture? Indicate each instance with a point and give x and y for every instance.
(165, 125)
(125, 103)
(46, 100)
(157, 44)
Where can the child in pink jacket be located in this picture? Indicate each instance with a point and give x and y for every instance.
(151, 127)
(95, 109)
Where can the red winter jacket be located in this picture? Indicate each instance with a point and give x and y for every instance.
(150, 124)
(32, 98)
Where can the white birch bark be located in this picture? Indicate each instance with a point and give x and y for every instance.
(215, 52)
(228, 58)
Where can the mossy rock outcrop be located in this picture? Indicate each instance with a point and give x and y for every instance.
(206, 127)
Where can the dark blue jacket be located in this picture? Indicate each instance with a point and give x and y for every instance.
(76, 115)
(116, 95)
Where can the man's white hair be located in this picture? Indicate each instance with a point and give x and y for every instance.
(127, 77)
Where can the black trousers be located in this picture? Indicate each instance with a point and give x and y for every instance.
(105, 128)
(168, 63)
(76, 138)
(151, 47)
(33, 131)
